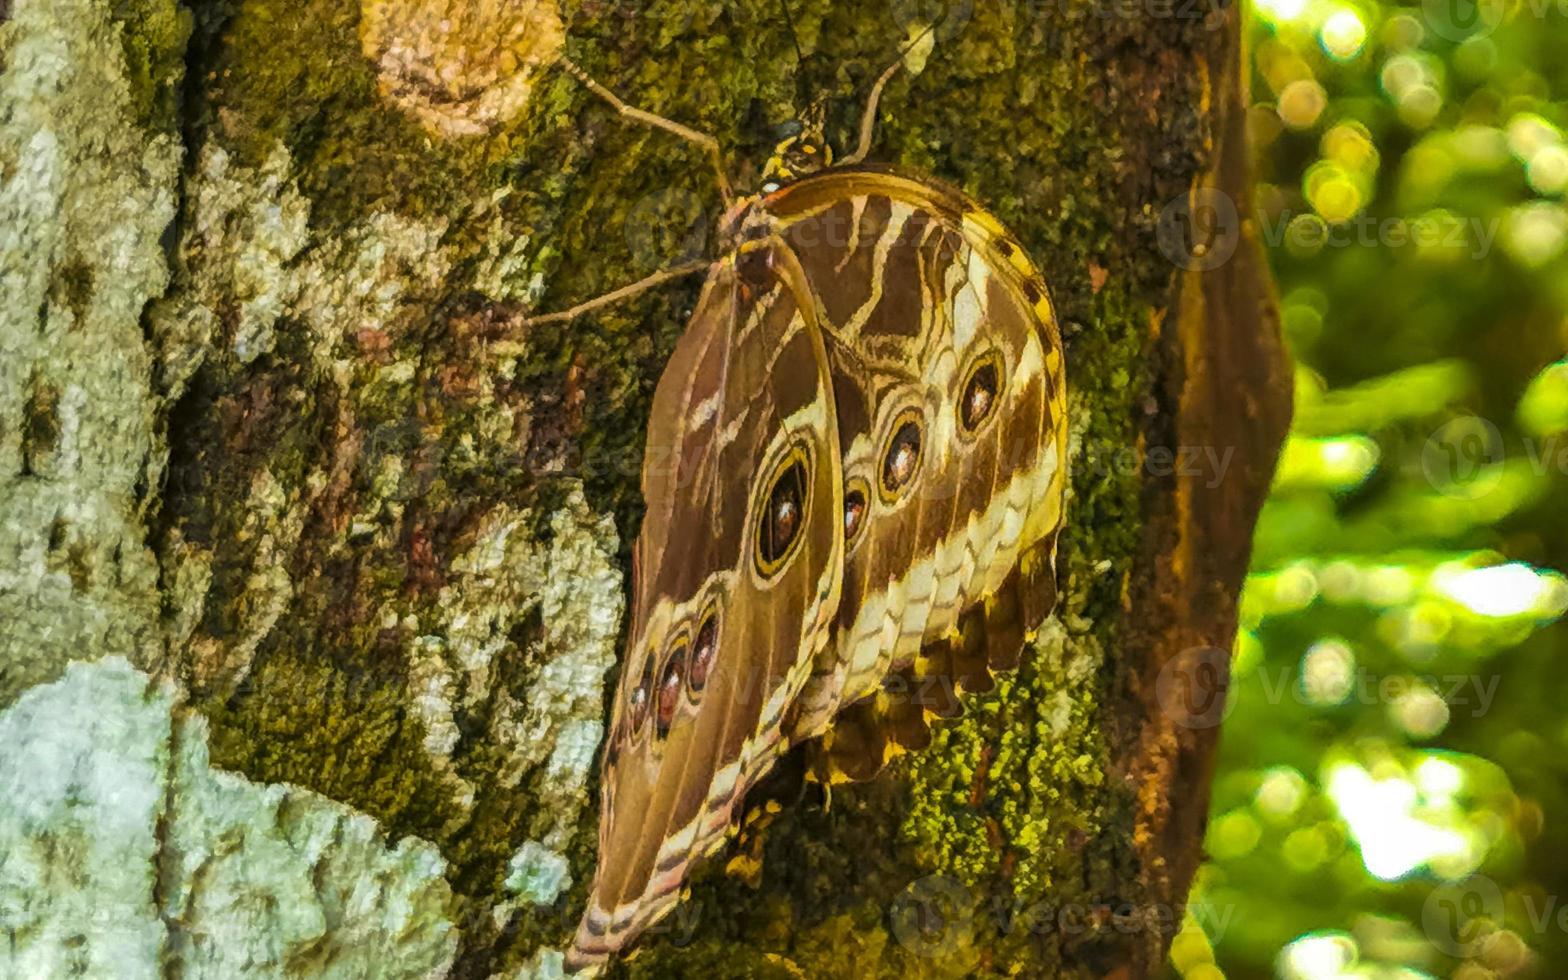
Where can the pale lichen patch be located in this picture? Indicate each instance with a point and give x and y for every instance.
(460, 68)
(248, 225)
(545, 964)
(187, 575)
(288, 883)
(128, 855)
(503, 270)
(252, 260)
(537, 874)
(87, 187)
(509, 574)
(574, 585)
(372, 276)
(83, 774)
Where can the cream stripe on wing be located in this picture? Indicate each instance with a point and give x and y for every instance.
(900, 214)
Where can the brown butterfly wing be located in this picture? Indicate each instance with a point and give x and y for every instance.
(742, 484)
(939, 336)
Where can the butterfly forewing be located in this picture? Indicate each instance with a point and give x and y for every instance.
(737, 575)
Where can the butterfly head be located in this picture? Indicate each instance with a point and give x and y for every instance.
(804, 150)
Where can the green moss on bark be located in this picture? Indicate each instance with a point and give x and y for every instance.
(153, 40)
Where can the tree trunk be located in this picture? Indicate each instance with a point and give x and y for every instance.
(299, 527)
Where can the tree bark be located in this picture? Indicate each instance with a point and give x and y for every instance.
(345, 541)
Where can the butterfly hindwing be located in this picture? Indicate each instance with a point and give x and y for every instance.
(737, 576)
(947, 375)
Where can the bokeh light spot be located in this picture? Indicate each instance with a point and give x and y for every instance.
(1301, 103)
(1343, 35)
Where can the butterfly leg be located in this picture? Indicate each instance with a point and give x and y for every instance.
(616, 295)
(703, 140)
(750, 833)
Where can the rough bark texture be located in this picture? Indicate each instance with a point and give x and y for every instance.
(347, 549)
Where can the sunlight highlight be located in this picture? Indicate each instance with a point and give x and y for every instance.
(1504, 591)
(1280, 11)
(1382, 817)
(1319, 956)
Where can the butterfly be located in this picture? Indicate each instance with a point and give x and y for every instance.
(855, 472)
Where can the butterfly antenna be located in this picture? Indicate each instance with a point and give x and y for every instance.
(789, 22)
(868, 119)
(657, 122)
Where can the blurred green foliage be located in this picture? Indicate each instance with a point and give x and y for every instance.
(1393, 793)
